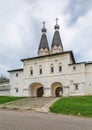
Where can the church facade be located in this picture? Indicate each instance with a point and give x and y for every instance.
(52, 73)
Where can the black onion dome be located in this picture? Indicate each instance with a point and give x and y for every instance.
(56, 26)
(44, 30)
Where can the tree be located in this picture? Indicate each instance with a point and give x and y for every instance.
(3, 79)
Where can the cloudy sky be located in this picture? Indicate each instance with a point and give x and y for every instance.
(21, 23)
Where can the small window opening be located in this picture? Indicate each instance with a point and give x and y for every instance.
(40, 70)
(52, 69)
(31, 72)
(17, 90)
(76, 87)
(74, 68)
(16, 74)
(60, 68)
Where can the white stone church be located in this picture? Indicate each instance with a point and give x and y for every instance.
(53, 73)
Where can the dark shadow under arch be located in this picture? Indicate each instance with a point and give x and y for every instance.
(39, 92)
(58, 91)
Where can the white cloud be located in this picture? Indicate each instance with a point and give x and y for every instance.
(81, 38)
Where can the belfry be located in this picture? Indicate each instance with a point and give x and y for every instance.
(56, 46)
(52, 73)
(43, 47)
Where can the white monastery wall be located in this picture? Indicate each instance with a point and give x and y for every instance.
(88, 79)
(5, 89)
(77, 79)
(17, 83)
(74, 78)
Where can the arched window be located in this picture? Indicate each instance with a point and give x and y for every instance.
(31, 71)
(40, 69)
(52, 68)
(60, 67)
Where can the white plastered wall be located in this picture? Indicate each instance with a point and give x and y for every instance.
(67, 77)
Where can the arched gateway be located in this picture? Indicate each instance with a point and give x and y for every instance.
(56, 89)
(36, 90)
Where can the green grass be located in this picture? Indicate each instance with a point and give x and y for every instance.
(80, 106)
(5, 99)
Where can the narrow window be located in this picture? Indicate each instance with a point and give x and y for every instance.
(16, 74)
(31, 71)
(76, 86)
(52, 68)
(60, 68)
(74, 68)
(16, 90)
(40, 69)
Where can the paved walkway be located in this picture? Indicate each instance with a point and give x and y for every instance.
(27, 120)
(37, 104)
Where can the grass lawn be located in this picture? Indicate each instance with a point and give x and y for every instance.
(80, 106)
(5, 99)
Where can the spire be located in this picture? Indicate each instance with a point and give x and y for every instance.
(43, 47)
(56, 42)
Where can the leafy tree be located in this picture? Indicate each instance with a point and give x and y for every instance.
(3, 79)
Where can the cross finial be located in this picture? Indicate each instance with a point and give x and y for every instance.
(56, 21)
(44, 29)
(44, 24)
(56, 26)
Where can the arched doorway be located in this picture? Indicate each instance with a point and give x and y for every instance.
(56, 89)
(36, 90)
(39, 92)
(58, 92)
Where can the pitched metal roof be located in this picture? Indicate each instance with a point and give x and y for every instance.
(56, 39)
(44, 42)
(15, 70)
